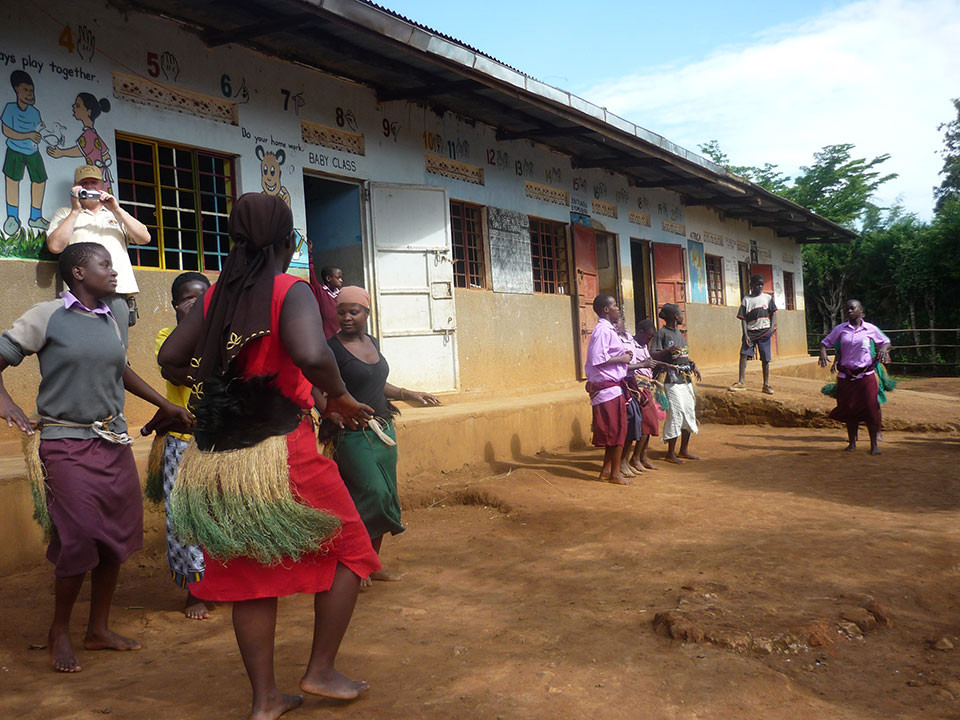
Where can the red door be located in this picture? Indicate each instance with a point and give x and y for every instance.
(587, 283)
(767, 272)
(669, 275)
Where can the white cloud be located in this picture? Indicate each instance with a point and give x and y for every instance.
(879, 74)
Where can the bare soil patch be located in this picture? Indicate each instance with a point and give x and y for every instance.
(529, 591)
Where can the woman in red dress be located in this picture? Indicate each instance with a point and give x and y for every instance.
(260, 325)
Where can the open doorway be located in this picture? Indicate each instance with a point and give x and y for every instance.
(643, 305)
(335, 226)
(608, 267)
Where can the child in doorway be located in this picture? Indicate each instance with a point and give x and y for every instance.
(606, 368)
(758, 323)
(186, 561)
(682, 412)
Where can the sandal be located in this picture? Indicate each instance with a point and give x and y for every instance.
(767, 390)
(738, 386)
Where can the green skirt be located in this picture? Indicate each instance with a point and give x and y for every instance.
(369, 470)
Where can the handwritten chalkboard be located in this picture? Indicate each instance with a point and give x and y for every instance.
(510, 262)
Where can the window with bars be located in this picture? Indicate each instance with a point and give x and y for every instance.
(184, 197)
(715, 280)
(548, 249)
(789, 296)
(469, 270)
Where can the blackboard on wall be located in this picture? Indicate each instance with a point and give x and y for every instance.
(510, 263)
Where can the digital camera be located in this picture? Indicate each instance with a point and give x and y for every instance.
(88, 194)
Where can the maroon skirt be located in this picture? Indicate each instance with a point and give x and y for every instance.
(649, 419)
(610, 422)
(93, 494)
(857, 400)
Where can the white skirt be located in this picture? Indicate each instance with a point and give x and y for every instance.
(682, 413)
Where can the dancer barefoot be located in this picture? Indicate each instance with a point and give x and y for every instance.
(367, 456)
(80, 464)
(254, 344)
(857, 389)
(681, 414)
(606, 368)
(185, 561)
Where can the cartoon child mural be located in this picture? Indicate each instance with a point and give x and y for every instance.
(90, 146)
(270, 173)
(21, 124)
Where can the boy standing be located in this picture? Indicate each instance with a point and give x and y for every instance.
(758, 324)
(606, 368)
(21, 122)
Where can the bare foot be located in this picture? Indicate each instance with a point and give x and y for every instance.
(619, 480)
(195, 609)
(62, 656)
(875, 450)
(332, 684)
(637, 468)
(365, 583)
(688, 456)
(109, 640)
(275, 707)
(647, 464)
(384, 576)
(850, 448)
(673, 459)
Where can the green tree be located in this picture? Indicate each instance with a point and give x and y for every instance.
(950, 185)
(767, 176)
(838, 186)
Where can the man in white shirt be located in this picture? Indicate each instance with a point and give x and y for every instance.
(95, 215)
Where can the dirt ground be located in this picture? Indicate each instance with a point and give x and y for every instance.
(529, 591)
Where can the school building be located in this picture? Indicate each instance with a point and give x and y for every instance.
(483, 209)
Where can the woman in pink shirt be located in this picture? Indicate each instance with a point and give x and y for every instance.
(856, 378)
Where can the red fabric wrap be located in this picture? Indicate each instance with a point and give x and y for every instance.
(610, 422)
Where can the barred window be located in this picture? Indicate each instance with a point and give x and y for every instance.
(548, 249)
(789, 296)
(469, 270)
(184, 197)
(715, 280)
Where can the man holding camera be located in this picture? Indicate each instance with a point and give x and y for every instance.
(95, 216)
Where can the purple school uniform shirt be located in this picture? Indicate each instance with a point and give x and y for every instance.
(605, 343)
(855, 344)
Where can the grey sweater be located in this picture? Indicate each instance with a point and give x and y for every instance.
(82, 359)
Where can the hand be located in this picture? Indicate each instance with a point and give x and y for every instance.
(646, 363)
(54, 151)
(747, 343)
(824, 360)
(109, 202)
(422, 398)
(697, 375)
(34, 137)
(624, 358)
(883, 354)
(335, 418)
(169, 419)
(75, 197)
(352, 413)
(10, 411)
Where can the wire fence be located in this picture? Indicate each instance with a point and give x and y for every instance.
(915, 351)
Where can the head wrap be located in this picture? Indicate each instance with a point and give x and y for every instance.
(240, 308)
(354, 294)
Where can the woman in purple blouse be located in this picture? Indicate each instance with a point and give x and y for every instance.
(856, 377)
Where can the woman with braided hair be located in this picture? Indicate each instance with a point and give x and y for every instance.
(272, 514)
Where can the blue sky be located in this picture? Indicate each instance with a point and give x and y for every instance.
(771, 81)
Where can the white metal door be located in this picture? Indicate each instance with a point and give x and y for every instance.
(413, 284)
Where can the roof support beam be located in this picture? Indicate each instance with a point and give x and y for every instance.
(618, 162)
(540, 133)
(720, 200)
(248, 32)
(426, 91)
(669, 182)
